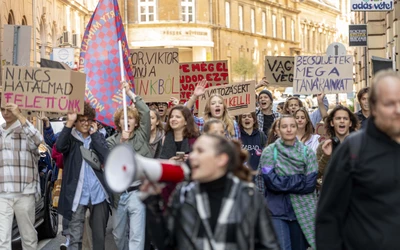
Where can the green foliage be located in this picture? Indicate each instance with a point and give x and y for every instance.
(244, 68)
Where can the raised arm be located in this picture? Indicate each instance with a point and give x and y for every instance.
(322, 110)
(198, 91)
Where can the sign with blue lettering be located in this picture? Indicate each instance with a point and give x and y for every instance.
(371, 5)
(323, 74)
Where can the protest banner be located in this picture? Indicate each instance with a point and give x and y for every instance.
(44, 89)
(156, 73)
(323, 74)
(279, 70)
(215, 72)
(239, 97)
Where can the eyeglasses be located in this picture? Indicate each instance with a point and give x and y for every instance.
(82, 121)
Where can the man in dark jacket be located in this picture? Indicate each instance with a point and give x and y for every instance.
(83, 185)
(363, 113)
(359, 206)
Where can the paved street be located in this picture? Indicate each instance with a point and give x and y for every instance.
(53, 244)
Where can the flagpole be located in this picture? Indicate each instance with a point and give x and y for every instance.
(121, 63)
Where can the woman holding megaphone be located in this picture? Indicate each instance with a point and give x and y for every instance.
(218, 209)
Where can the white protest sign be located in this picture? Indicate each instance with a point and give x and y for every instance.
(327, 74)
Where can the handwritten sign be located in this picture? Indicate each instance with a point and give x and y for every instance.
(328, 74)
(156, 73)
(44, 89)
(215, 72)
(279, 70)
(239, 97)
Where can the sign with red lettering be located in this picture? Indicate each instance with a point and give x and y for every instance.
(215, 72)
(239, 97)
(44, 89)
(156, 73)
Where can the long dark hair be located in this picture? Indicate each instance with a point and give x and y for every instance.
(237, 156)
(355, 123)
(191, 130)
(272, 137)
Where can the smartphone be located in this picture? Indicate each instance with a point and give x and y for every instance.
(180, 155)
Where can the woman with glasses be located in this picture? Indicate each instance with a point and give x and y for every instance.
(293, 103)
(305, 131)
(288, 171)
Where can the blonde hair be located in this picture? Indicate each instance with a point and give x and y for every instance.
(120, 112)
(226, 118)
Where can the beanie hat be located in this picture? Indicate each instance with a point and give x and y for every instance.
(266, 92)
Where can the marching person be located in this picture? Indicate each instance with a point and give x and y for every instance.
(305, 131)
(359, 203)
(19, 186)
(157, 133)
(83, 186)
(364, 112)
(265, 115)
(219, 209)
(289, 171)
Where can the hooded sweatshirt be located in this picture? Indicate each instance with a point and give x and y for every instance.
(252, 143)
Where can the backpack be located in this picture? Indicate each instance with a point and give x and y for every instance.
(356, 140)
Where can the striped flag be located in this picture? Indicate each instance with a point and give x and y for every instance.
(100, 61)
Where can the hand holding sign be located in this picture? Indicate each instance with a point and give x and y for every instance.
(71, 118)
(41, 116)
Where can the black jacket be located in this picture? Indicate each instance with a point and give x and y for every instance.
(69, 146)
(359, 206)
(182, 223)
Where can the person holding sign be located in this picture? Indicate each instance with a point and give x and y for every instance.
(129, 212)
(215, 108)
(19, 156)
(293, 103)
(289, 171)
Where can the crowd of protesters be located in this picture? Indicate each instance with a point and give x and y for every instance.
(261, 180)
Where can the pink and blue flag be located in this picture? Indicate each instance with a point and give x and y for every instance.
(100, 60)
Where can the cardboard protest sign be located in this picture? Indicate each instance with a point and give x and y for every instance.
(215, 72)
(327, 74)
(279, 70)
(156, 73)
(239, 97)
(44, 89)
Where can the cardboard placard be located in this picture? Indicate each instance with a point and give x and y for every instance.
(279, 70)
(44, 89)
(156, 73)
(239, 97)
(215, 72)
(323, 74)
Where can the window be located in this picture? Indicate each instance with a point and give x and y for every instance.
(253, 21)
(264, 23)
(147, 10)
(11, 19)
(228, 14)
(292, 27)
(274, 26)
(283, 21)
(240, 18)
(187, 10)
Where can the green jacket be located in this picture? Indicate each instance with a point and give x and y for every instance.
(141, 136)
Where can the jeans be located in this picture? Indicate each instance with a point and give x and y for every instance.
(290, 235)
(130, 214)
(24, 208)
(99, 214)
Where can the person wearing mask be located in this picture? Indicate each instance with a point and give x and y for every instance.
(157, 133)
(265, 115)
(359, 203)
(19, 187)
(363, 114)
(83, 186)
(338, 124)
(218, 209)
(305, 131)
(289, 171)
(293, 103)
(129, 212)
(253, 140)
(214, 108)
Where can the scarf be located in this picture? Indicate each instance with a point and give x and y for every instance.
(291, 160)
(169, 149)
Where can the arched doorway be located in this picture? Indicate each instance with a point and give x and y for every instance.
(11, 19)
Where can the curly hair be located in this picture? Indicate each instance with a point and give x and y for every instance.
(130, 112)
(226, 118)
(88, 111)
(309, 129)
(286, 106)
(191, 130)
(330, 130)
